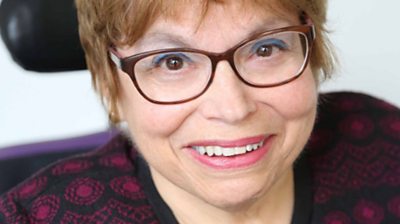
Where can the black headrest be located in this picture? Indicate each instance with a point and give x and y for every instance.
(42, 35)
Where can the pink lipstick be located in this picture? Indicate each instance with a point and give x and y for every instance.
(230, 154)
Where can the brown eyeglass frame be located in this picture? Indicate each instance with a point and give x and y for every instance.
(127, 64)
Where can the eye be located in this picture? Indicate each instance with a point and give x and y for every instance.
(265, 51)
(171, 61)
(267, 47)
(174, 63)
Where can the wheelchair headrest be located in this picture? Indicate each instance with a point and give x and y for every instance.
(42, 35)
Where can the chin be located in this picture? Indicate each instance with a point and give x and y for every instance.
(235, 196)
(234, 202)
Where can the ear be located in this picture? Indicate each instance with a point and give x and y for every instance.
(116, 99)
(305, 18)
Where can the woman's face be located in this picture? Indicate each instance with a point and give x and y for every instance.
(229, 114)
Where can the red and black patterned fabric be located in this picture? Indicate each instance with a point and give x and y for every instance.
(355, 161)
(350, 169)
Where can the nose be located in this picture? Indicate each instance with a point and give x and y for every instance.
(227, 99)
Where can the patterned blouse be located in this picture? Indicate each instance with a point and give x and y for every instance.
(348, 173)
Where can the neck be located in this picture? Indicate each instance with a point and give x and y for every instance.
(275, 206)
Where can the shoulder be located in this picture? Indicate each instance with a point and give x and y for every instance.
(90, 187)
(354, 155)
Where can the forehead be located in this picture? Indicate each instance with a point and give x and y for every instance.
(231, 21)
(200, 11)
(201, 7)
(197, 13)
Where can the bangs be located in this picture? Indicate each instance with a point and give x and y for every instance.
(128, 22)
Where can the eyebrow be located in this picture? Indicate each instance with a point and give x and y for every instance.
(166, 38)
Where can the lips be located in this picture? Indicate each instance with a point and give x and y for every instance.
(230, 154)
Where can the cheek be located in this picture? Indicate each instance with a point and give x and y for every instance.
(294, 106)
(296, 100)
(146, 119)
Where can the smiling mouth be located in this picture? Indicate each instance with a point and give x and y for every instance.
(213, 151)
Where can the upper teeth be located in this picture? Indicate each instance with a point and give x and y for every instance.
(226, 151)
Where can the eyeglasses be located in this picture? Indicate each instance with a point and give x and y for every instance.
(178, 75)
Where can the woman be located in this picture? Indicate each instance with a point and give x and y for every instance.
(219, 98)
